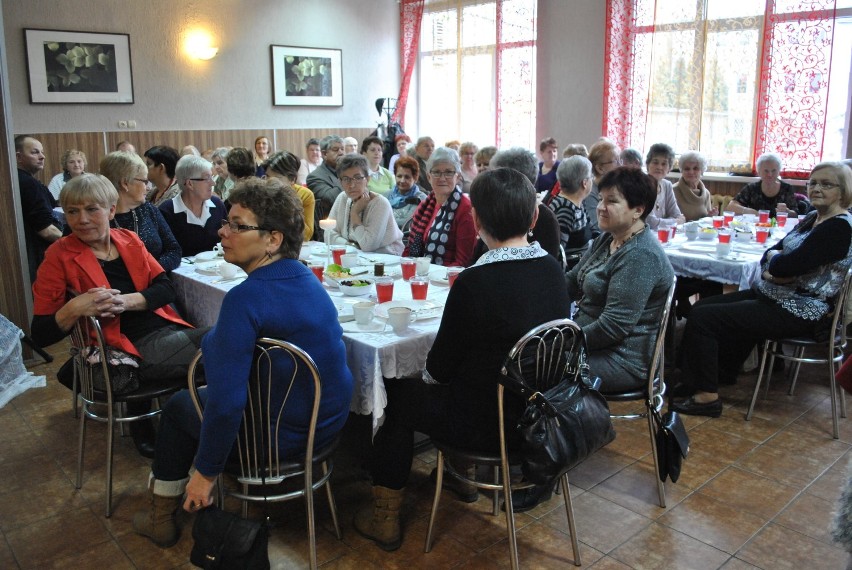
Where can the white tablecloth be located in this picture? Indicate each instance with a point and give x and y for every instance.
(742, 271)
(372, 356)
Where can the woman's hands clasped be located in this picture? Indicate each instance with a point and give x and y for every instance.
(100, 302)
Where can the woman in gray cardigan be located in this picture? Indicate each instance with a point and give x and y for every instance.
(621, 284)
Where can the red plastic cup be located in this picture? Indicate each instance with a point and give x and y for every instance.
(724, 236)
(663, 235)
(763, 216)
(419, 288)
(727, 219)
(781, 218)
(718, 221)
(337, 252)
(318, 270)
(760, 234)
(453, 273)
(384, 289)
(673, 228)
(409, 268)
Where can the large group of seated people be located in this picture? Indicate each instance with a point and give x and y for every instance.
(539, 238)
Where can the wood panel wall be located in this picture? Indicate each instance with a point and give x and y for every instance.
(97, 144)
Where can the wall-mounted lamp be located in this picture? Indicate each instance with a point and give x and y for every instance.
(198, 45)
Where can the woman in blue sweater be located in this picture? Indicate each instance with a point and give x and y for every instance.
(281, 299)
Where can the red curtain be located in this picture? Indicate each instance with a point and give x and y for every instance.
(794, 79)
(410, 18)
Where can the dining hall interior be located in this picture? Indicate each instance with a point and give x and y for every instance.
(752, 494)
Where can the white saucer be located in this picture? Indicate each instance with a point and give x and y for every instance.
(372, 326)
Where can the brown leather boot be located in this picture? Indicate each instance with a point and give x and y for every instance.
(158, 522)
(380, 522)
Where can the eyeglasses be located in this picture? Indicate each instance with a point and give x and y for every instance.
(822, 184)
(240, 228)
(615, 162)
(208, 179)
(346, 181)
(444, 174)
(142, 180)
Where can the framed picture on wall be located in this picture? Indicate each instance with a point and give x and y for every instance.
(307, 76)
(78, 67)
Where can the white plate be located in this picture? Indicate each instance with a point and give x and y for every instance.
(370, 259)
(750, 247)
(372, 326)
(424, 309)
(699, 246)
(208, 268)
(206, 256)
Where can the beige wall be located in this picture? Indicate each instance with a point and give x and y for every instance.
(569, 97)
(232, 91)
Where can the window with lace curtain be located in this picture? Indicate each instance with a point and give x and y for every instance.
(732, 79)
(477, 71)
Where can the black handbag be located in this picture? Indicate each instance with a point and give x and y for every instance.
(672, 444)
(562, 426)
(225, 540)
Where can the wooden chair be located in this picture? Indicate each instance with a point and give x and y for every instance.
(652, 393)
(105, 406)
(834, 346)
(551, 347)
(258, 442)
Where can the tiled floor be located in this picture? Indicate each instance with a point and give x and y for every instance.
(752, 495)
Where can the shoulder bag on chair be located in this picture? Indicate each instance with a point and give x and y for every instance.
(672, 444)
(562, 426)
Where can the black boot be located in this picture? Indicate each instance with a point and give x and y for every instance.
(144, 437)
(526, 499)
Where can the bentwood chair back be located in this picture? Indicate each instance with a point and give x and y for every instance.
(652, 393)
(103, 405)
(544, 356)
(834, 347)
(259, 440)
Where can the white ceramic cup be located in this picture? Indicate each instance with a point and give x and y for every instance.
(399, 318)
(218, 249)
(363, 312)
(349, 260)
(228, 270)
(423, 264)
(723, 250)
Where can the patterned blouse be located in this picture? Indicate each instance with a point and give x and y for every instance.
(751, 196)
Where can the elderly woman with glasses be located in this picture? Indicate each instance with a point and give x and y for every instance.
(129, 175)
(364, 219)
(801, 276)
(666, 211)
(442, 226)
(768, 193)
(280, 299)
(285, 165)
(224, 184)
(195, 214)
(692, 196)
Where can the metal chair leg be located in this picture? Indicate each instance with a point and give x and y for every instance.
(309, 509)
(794, 373)
(81, 446)
(495, 498)
(110, 441)
(510, 517)
(833, 387)
(331, 503)
(569, 511)
(758, 381)
(439, 482)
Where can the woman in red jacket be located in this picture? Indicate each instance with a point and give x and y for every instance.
(116, 280)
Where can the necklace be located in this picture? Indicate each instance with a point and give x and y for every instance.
(135, 221)
(104, 260)
(630, 237)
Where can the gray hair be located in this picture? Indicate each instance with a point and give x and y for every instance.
(327, 142)
(631, 156)
(572, 171)
(351, 160)
(517, 158)
(769, 157)
(693, 156)
(221, 152)
(190, 166)
(844, 179)
(350, 141)
(441, 155)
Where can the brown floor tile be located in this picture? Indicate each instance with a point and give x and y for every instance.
(145, 554)
(38, 502)
(7, 559)
(783, 466)
(829, 485)
(11, 421)
(600, 466)
(779, 548)
(722, 526)
(635, 488)
(69, 532)
(818, 419)
(601, 524)
(722, 445)
(696, 469)
(750, 492)
(737, 564)
(350, 561)
(104, 555)
(630, 441)
(757, 429)
(607, 563)
(777, 412)
(659, 547)
(803, 443)
(19, 475)
(809, 515)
